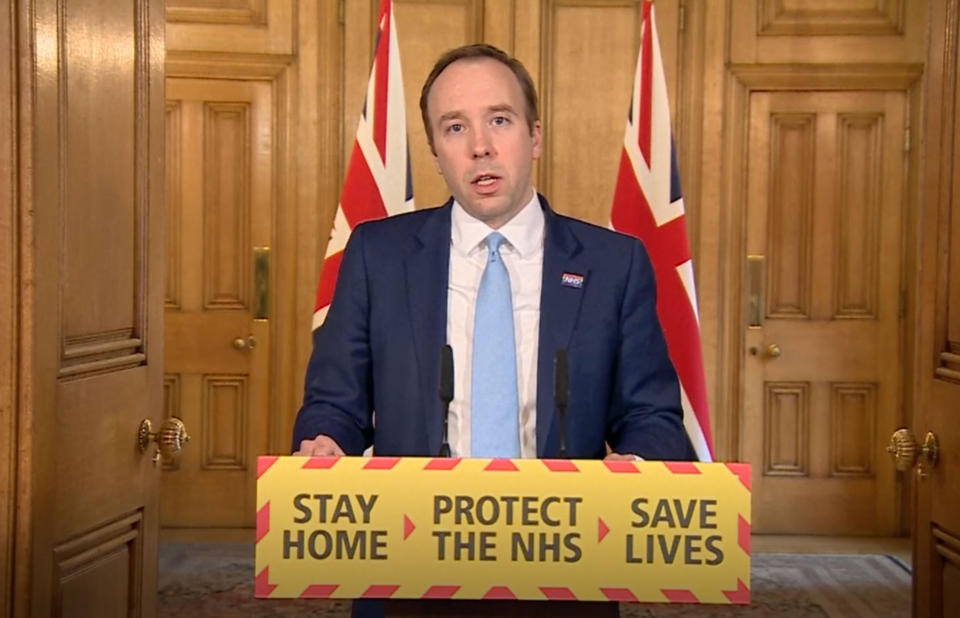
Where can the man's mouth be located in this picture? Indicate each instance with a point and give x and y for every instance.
(485, 180)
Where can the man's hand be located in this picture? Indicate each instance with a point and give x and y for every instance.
(321, 446)
(622, 457)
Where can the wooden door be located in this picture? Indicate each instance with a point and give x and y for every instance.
(820, 168)
(218, 340)
(936, 538)
(824, 208)
(88, 172)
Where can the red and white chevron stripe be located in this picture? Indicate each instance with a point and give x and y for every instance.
(648, 204)
(377, 183)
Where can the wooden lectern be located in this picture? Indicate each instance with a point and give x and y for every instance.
(416, 608)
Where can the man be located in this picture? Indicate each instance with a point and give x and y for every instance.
(410, 284)
(407, 285)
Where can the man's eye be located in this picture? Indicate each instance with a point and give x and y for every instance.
(500, 120)
(455, 127)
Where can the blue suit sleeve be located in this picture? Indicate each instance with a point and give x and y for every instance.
(337, 391)
(647, 417)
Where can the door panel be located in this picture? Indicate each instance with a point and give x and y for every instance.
(220, 179)
(824, 205)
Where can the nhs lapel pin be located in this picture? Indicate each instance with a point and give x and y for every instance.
(571, 280)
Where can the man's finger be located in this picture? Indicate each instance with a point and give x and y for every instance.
(321, 446)
(622, 457)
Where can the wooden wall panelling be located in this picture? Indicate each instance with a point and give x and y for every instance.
(247, 12)
(246, 27)
(808, 31)
(585, 83)
(359, 28)
(688, 103)
(499, 17)
(829, 17)
(527, 48)
(708, 24)
(425, 29)
(583, 108)
(313, 166)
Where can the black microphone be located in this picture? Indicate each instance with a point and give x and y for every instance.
(446, 393)
(560, 393)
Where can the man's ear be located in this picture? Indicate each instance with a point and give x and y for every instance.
(536, 134)
(436, 163)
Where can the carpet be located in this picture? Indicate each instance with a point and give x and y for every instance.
(215, 580)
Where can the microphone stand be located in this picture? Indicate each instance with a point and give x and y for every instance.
(446, 394)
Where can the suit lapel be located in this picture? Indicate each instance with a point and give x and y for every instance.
(427, 272)
(559, 308)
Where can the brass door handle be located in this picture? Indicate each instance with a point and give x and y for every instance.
(903, 449)
(247, 343)
(170, 439)
(774, 351)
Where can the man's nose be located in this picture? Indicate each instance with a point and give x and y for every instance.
(482, 147)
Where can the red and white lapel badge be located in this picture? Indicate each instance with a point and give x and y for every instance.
(571, 280)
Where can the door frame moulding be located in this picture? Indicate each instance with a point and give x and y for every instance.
(17, 470)
(10, 281)
(741, 81)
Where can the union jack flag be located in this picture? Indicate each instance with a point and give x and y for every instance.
(378, 182)
(648, 204)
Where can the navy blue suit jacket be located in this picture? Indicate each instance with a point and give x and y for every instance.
(379, 348)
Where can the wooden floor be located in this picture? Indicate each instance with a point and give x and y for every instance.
(898, 547)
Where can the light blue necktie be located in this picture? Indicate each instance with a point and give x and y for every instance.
(494, 428)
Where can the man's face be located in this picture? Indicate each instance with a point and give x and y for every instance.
(483, 146)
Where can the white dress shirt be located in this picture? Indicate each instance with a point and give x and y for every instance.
(522, 254)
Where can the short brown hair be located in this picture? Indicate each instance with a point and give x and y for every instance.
(480, 50)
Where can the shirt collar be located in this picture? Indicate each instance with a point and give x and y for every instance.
(524, 232)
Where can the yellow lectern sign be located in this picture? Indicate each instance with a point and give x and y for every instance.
(539, 529)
